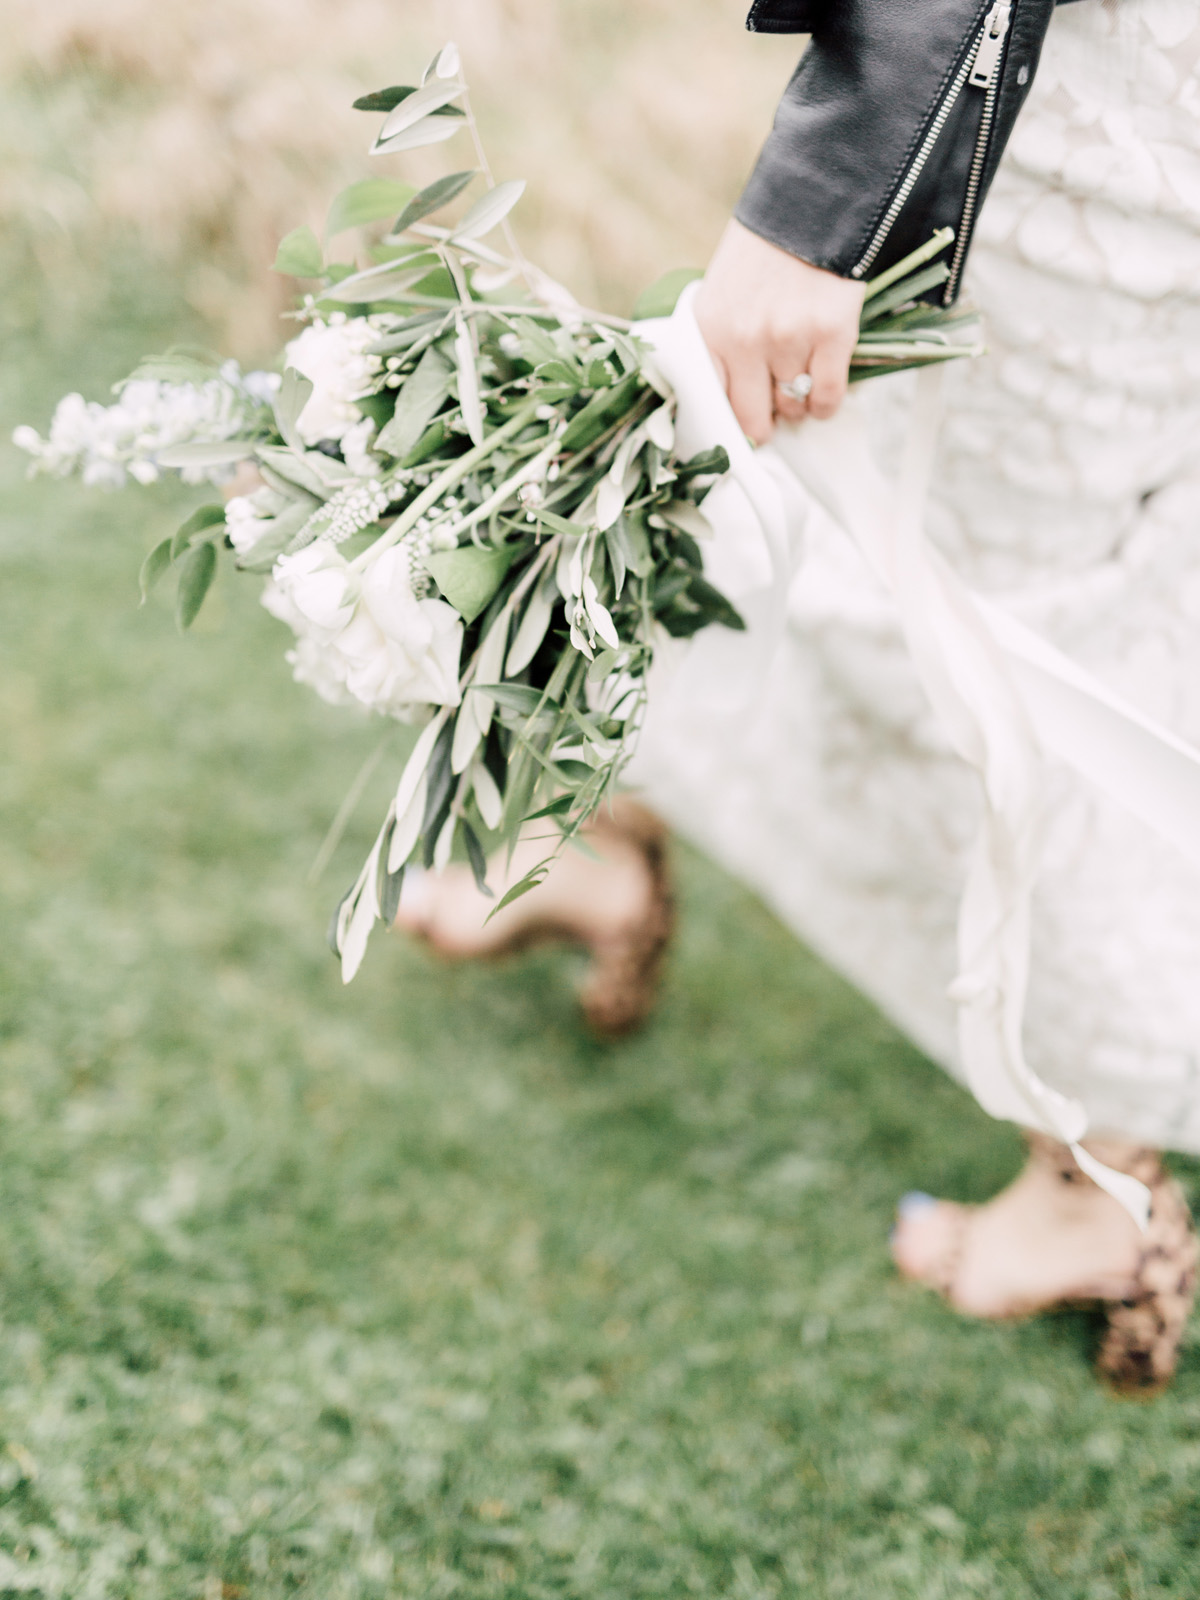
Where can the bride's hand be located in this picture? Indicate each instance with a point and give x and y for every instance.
(767, 317)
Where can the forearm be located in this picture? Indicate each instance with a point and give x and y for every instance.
(881, 136)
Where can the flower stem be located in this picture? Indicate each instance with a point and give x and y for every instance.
(444, 482)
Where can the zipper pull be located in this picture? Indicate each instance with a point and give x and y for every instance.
(991, 46)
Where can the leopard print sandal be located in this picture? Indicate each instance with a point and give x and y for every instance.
(1144, 1328)
(621, 987)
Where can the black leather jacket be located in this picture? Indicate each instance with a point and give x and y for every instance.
(892, 125)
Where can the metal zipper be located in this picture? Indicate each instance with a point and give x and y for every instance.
(981, 69)
(985, 74)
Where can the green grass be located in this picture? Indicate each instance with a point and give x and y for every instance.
(409, 1289)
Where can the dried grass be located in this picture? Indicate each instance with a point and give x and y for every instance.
(209, 131)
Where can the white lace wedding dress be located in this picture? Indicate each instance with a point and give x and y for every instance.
(1068, 490)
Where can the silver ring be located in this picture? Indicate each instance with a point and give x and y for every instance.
(799, 388)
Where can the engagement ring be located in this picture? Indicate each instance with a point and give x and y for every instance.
(798, 388)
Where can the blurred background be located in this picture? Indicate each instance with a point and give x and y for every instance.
(412, 1289)
(207, 132)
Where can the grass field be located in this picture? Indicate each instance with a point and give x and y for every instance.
(409, 1289)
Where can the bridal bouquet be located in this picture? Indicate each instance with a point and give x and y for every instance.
(463, 494)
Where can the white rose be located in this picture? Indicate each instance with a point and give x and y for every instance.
(314, 664)
(318, 586)
(403, 651)
(366, 635)
(332, 355)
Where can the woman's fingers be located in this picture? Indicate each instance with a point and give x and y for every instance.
(751, 391)
(829, 369)
(791, 405)
(737, 375)
(769, 317)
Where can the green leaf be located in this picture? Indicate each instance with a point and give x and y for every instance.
(533, 628)
(299, 254)
(431, 130)
(477, 858)
(469, 576)
(538, 344)
(195, 579)
(635, 544)
(290, 400)
(205, 453)
(178, 365)
(389, 99)
(368, 201)
(331, 933)
(518, 697)
(558, 373)
(557, 524)
(433, 198)
(616, 558)
(660, 298)
(714, 606)
(385, 99)
(379, 407)
(412, 108)
(381, 282)
(429, 442)
(603, 408)
(391, 886)
(297, 470)
(531, 880)
(439, 787)
(388, 884)
(278, 536)
(468, 382)
(685, 549)
(707, 463)
(203, 517)
(684, 516)
(490, 209)
(604, 664)
(556, 808)
(155, 564)
(419, 397)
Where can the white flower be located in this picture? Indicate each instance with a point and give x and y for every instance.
(262, 387)
(249, 517)
(405, 651)
(318, 587)
(332, 355)
(356, 449)
(366, 636)
(105, 444)
(353, 508)
(313, 664)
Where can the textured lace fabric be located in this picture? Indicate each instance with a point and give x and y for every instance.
(1068, 489)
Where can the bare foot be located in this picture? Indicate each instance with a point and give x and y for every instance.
(584, 897)
(1051, 1236)
(614, 899)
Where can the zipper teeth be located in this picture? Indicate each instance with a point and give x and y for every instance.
(918, 166)
(974, 179)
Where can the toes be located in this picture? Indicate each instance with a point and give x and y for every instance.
(914, 1204)
(925, 1238)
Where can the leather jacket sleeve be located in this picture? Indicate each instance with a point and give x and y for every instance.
(892, 125)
